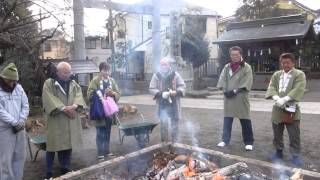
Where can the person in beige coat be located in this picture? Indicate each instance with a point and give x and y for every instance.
(286, 88)
(62, 102)
(236, 81)
(108, 86)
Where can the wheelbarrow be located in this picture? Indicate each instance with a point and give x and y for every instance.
(40, 142)
(140, 130)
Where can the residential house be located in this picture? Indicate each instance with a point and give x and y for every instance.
(136, 31)
(97, 48)
(294, 7)
(287, 7)
(56, 47)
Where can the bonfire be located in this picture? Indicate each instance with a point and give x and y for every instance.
(168, 166)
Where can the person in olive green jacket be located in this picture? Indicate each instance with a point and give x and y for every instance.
(286, 88)
(110, 88)
(236, 81)
(62, 102)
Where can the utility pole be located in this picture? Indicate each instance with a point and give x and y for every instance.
(175, 37)
(42, 45)
(79, 40)
(111, 26)
(156, 37)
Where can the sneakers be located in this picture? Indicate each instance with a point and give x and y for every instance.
(296, 161)
(111, 155)
(248, 147)
(221, 144)
(100, 158)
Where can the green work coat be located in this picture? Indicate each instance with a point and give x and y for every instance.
(237, 106)
(94, 85)
(295, 90)
(62, 132)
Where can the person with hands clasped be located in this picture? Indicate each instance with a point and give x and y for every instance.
(14, 110)
(286, 88)
(236, 81)
(168, 87)
(62, 102)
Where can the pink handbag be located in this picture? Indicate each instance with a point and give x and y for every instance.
(109, 106)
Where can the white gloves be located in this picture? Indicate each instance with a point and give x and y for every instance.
(275, 98)
(281, 101)
(165, 95)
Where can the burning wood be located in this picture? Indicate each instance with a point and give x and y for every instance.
(170, 167)
(161, 164)
(237, 168)
(180, 167)
(297, 175)
(190, 168)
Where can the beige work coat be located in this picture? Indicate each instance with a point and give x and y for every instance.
(94, 85)
(237, 106)
(295, 90)
(62, 132)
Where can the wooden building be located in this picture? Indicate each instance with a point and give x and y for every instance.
(264, 40)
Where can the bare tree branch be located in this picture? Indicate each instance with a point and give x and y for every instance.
(13, 26)
(9, 12)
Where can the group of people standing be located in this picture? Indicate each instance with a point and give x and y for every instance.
(286, 88)
(63, 102)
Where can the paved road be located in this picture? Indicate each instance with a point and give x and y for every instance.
(257, 104)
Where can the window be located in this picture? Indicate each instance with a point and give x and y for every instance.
(90, 43)
(47, 46)
(168, 32)
(149, 24)
(105, 43)
(121, 34)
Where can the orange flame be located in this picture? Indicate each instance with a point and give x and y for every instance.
(217, 176)
(190, 169)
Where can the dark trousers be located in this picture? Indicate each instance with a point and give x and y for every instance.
(103, 137)
(294, 136)
(64, 158)
(247, 133)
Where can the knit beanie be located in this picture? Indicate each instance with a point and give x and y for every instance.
(10, 72)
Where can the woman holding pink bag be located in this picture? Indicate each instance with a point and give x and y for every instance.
(102, 89)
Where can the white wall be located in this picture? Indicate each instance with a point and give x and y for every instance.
(98, 54)
(211, 36)
(137, 27)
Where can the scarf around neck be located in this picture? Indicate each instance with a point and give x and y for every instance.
(235, 65)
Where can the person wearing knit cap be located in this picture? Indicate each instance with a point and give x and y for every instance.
(14, 110)
(168, 87)
(236, 81)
